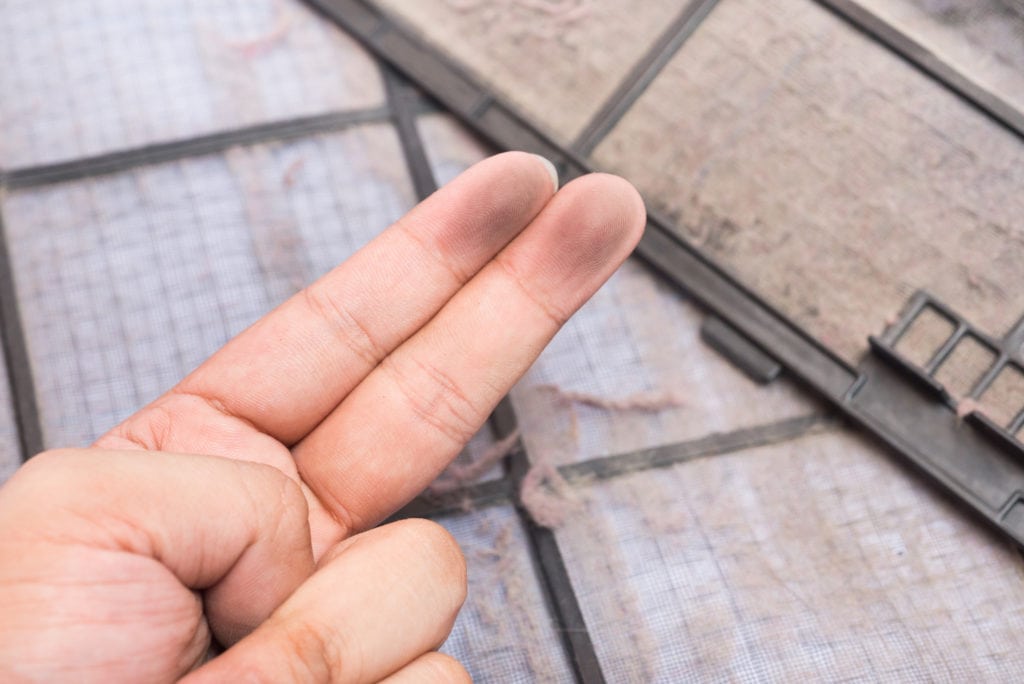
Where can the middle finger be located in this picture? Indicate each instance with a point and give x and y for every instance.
(289, 370)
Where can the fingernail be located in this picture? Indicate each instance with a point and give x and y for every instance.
(552, 171)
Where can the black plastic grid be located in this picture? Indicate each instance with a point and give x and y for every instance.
(804, 357)
(502, 491)
(876, 28)
(19, 372)
(641, 76)
(114, 162)
(1007, 353)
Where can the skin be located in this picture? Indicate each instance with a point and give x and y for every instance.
(252, 518)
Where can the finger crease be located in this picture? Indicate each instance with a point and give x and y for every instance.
(215, 404)
(428, 247)
(338, 511)
(317, 655)
(458, 425)
(557, 318)
(354, 335)
(149, 429)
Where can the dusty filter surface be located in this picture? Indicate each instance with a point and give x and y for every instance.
(828, 174)
(981, 38)
(556, 61)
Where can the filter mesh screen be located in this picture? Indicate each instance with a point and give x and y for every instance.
(127, 282)
(819, 557)
(965, 367)
(504, 632)
(82, 77)
(629, 371)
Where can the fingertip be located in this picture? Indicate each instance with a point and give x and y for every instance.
(527, 174)
(431, 668)
(442, 668)
(592, 227)
(611, 207)
(634, 208)
(448, 670)
(437, 546)
(483, 209)
(582, 236)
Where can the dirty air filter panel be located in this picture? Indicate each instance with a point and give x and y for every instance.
(712, 568)
(828, 174)
(539, 55)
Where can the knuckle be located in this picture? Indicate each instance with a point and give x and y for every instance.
(313, 654)
(556, 315)
(47, 459)
(275, 496)
(291, 501)
(437, 247)
(52, 484)
(434, 397)
(149, 430)
(345, 325)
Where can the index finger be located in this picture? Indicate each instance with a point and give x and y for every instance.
(290, 369)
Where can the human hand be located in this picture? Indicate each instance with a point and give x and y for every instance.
(313, 425)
